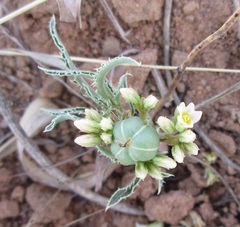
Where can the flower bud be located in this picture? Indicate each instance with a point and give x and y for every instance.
(190, 148)
(187, 136)
(141, 170)
(106, 124)
(210, 176)
(154, 171)
(106, 137)
(177, 153)
(150, 102)
(93, 115)
(166, 125)
(130, 95)
(164, 161)
(88, 140)
(87, 126)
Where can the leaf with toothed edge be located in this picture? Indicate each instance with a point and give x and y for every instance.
(58, 119)
(123, 193)
(53, 72)
(69, 63)
(56, 112)
(59, 44)
(101, 73)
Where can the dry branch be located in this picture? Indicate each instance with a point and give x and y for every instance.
(196, 50)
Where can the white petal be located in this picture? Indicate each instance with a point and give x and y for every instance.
(196, 116)
(190, 108)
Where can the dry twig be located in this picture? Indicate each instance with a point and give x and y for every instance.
(114, 20)
(196, 50)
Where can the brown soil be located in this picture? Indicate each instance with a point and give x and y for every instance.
(184, 196)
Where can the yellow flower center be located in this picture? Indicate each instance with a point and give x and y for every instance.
(186, 118)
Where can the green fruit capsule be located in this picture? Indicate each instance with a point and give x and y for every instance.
(134, 141)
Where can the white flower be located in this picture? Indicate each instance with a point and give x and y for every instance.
(166, 125)
(88, 140)
(87, 126)
(93, 115)
(106, 124)
(150, 102)
(164, 161)
(141, 170)
(177, 153)
(106, 137)
(186, 116)
(190, 148)
(130, 95)
(187, 136)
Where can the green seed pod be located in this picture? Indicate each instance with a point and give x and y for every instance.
(134, 141)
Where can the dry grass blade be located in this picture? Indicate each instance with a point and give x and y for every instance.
(166, 44)
(228, 91)
(196, 50)
(17, 52)
(216, 149)
(114, 20)
(236, 6)
(160, 84)
(21, 11)
(229, 189)
(68, 10)
(40, 58)
(16, 80)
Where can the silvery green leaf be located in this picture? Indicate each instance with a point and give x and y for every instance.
(58, 119)
(106, 153)
(103, 89)
(53, 72)
(59, 44)
(160, 185)
(123, 193)
(56, 112)
(69, 64)
(165, 175)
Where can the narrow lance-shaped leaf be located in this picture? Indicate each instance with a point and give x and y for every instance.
(79, 80)
(59, 119)
(53, 72)
(56, 112)
(59, 44)
(102, 72)
(123, 193)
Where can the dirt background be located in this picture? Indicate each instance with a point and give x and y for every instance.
(184, 196)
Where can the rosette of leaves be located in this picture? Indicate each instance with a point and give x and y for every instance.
(134, 139)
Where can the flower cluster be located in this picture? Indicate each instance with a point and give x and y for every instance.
(131, 138)
(98, 129)
(177, 132)
(142, 169)
(142, 104)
